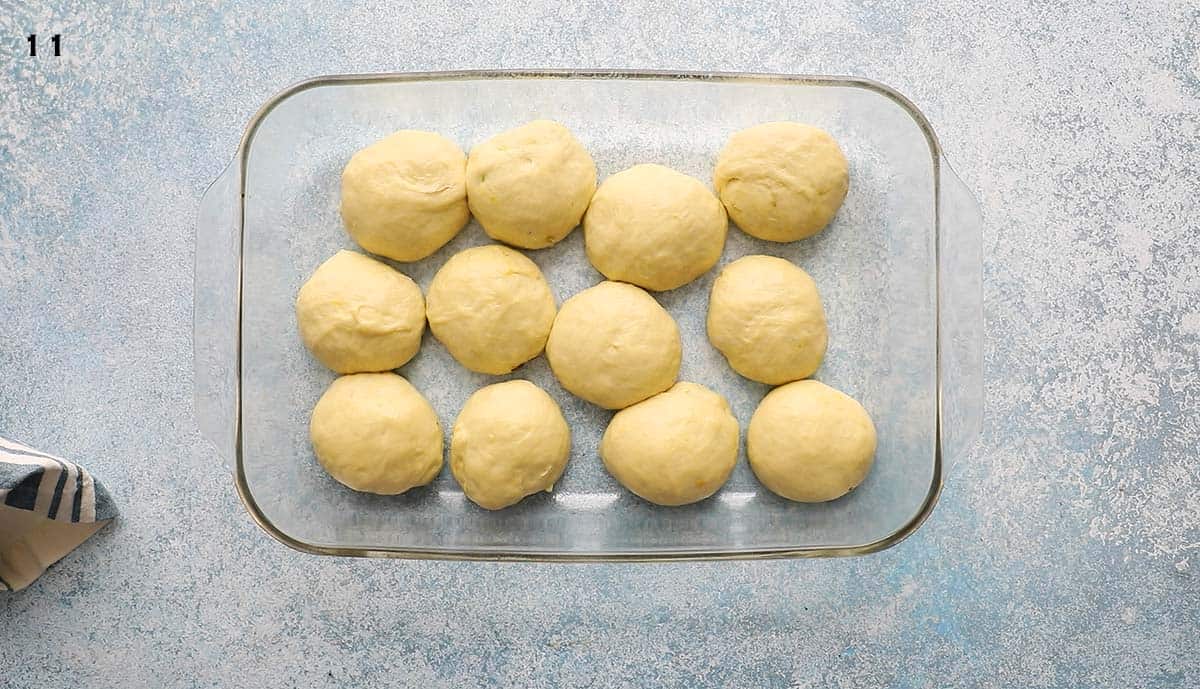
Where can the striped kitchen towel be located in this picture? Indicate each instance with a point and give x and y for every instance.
(48, 506)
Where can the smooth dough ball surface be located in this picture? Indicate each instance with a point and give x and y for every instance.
(809, 442)
(675, 448)
(782, 181)
(374, 432)
(765, 317)
(491, 307)
(530, 186)
(357, 314)
(654, 227)
(405, 196)
(613, 345)
(510, 441)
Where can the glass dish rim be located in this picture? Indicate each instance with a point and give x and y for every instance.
(494, 554)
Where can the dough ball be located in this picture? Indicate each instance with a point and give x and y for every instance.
(675, 448)
(809, 442)
(654, 227)
(529, 186)
(491, 307)
(374, 432)
(405, 196)
(510, 441)
(357, 314)
(613, 345)
(782, 181)
(765, 316)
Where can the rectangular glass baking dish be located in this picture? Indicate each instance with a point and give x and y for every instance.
(899, 271)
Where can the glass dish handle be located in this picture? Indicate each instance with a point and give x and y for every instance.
(961, 299)
(215, 314)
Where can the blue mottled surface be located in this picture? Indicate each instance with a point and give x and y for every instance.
(1064, 552)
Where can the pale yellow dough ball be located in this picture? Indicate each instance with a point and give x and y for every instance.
(675, 448)
(782, 181)
(529, 186)
(374, 432)
(491, 307)
(809, 442)
(356, 314)
(654, 227)
(765, 316)
(405, 196)
(510, 441)
(613, 345)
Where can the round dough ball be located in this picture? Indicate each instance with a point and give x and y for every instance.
(529, 186)
(613, 345)
(654, 227)
(374, 432)
(765, 316)
(809, 442)
(491, 307)
(675, 448)
(406, 195)
(510, 441)
(782, 181)
(357, 314)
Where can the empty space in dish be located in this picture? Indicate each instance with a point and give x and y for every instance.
(875, 267)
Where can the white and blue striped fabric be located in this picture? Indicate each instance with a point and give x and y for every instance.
(48, 506)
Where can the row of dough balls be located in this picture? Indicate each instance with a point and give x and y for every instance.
(375, 432)
(407, 195)
(612, 345)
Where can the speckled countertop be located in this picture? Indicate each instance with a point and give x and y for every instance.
(1064, 552)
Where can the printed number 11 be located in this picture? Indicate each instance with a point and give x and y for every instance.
(56, 39)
